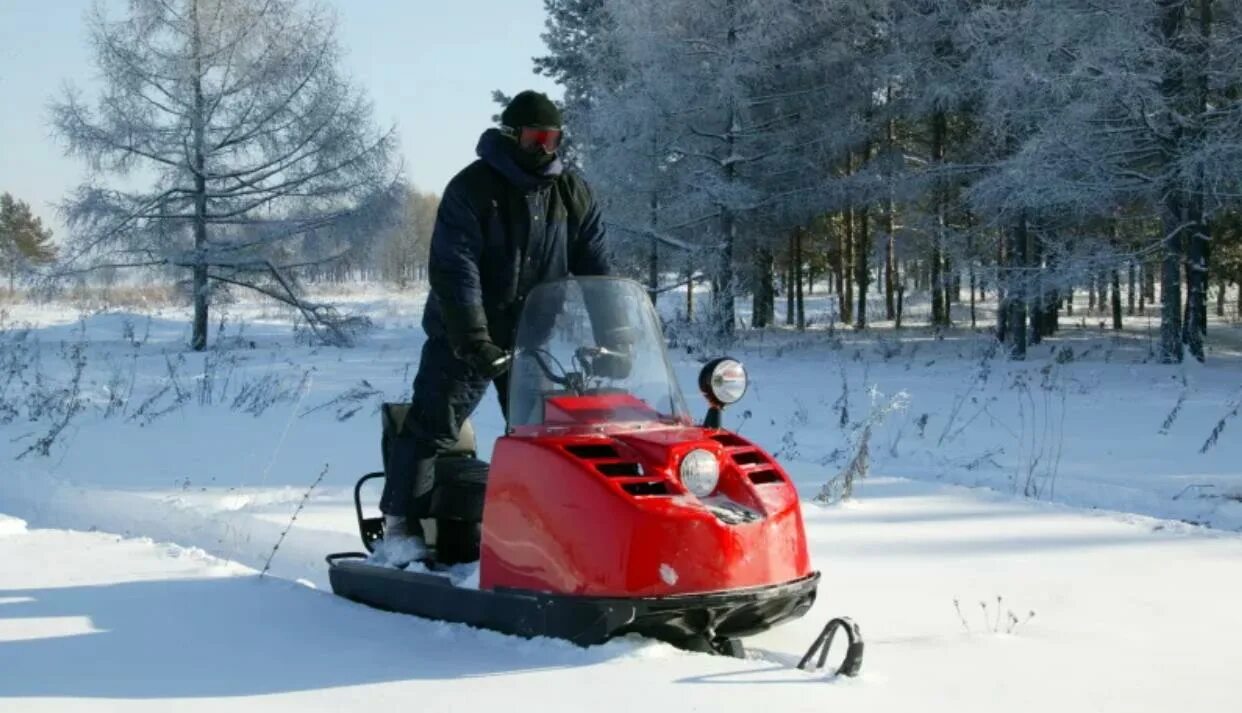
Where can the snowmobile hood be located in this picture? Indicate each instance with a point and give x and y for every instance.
(497, 150)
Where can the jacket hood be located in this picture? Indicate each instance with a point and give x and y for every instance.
(497, 150)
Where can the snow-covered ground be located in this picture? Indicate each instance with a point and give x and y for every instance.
(135, 581)
(1130, 614)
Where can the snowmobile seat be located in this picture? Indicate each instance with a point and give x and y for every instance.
(393, 415)
(460, 488)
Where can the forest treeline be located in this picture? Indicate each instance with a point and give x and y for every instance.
(1025, 146)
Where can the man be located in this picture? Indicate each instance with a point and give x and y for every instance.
(510, 220)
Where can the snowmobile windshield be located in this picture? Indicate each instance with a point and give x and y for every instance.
(590, 352)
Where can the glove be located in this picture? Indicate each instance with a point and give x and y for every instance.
(489, 360)
(617, 362)
(614, 364)
(471, 341)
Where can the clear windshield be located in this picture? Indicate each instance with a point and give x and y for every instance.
(590, 351)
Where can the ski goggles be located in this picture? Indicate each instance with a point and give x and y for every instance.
(529, 137)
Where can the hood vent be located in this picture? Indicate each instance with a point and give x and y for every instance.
(593, 451)
(620, 470)
(608, 461)
(760, 477)
(748, 458)
(730, 441)
(649, 487)
(750, 461)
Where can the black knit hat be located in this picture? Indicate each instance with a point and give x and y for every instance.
(530, 108)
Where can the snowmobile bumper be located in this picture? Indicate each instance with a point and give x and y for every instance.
(682, 620)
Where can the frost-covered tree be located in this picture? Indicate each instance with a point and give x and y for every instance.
(1129, 111)
(256, 153)
(402, 257)
(582, 54)
(713, 136)
(1036, 146)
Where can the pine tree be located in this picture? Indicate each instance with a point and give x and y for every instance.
(23, 239)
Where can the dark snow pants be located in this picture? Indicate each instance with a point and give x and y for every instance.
(446, 392)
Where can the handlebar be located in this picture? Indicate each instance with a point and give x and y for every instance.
(538, 355)
(575, 381)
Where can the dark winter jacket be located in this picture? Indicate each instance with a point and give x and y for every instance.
(500, 231)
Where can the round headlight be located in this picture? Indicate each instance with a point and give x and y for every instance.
(723, 381)
(700, 471)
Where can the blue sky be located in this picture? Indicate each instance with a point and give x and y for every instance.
(428, 65)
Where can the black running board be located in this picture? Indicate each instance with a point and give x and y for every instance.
(583, 620)
(435, 597)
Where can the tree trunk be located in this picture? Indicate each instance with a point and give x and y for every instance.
(1170, 284)
(1106, 286)
(1184, 87)
(890, 266)
(973, 321)
(198, 338)
(1197, 281)
(1116, 298)
(1017, 291)
(862, 272)
(801, 319)
(1130, 287)
(901, 301)
(723, 306)
(1050, 299)
(890, 246)
(653, 250)
(724, 309)
(789, 282)
(690, 294)
(1037, 304)
(1147, 293)
(953, 283)
(1149, 273)
(763, 299)
(1002, 297)
(847, 276)
(940, 308)
(850, 249)
(653, 269)
(839, 267)
(653, 254)
(971, 259)
(1199, 235)
(1220, 297)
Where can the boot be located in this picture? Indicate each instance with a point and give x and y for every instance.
(400, 545)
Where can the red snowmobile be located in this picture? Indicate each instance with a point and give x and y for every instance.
(606, 509)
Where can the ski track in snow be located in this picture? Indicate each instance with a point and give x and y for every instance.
(1133, 612)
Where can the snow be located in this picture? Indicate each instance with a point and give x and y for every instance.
(668, 575)
(11, 525)
(135, 584)
(1131, 614)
